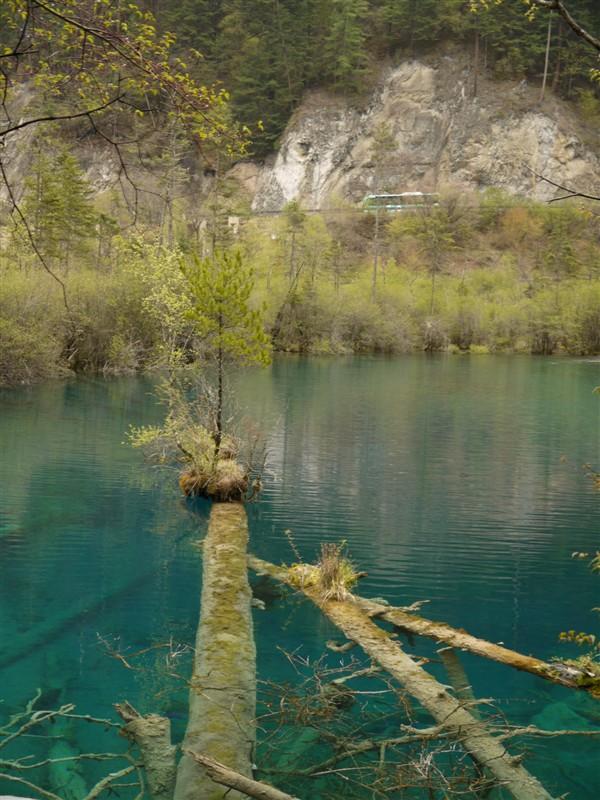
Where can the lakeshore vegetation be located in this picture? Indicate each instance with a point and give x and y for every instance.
(91, 266)
(491, 274)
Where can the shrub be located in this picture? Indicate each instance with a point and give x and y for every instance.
(30, 331)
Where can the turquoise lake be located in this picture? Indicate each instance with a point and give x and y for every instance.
(458, 480)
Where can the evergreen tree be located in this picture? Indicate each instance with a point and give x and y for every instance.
(229, 329)
(345, 50)
(57, 203)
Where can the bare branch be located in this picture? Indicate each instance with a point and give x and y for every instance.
(60, 117)
(106, 782)
(569, 191)
(44, 792)
(559, 6)
(227, 777)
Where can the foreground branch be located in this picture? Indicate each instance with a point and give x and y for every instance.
(559, 6)
(570, 192)
(227, 777)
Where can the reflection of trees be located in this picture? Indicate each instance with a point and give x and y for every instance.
(447, 469)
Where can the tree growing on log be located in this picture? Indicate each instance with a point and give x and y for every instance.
(228, 332)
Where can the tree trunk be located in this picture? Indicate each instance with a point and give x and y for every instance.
(486, 750)
(375, 256)
(476, 65)
(219, 420)
(462, 640)
(547, 57)
(152, 734)
(222, 708)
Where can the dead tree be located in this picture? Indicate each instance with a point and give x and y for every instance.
(450, 714)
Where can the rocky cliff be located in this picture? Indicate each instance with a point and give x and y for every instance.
(441, 136)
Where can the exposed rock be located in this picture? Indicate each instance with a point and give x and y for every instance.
(442, 137)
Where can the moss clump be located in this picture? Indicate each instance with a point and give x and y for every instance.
(223, 481)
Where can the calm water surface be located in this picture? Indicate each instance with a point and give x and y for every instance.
(457, 480)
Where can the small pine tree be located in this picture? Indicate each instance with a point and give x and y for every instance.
(229, 329)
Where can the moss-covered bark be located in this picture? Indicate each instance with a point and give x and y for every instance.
(223, 686)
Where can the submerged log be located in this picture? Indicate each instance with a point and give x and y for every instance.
(227, 777)
(569, 676)
(458, 678)
(222, 708)
(152, 734)
(485, 749)
(33, 640)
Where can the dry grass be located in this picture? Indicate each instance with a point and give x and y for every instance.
(223, 482)
(333, 576)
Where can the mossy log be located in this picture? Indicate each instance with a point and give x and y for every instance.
(486, 750)
(152, 734)
(569, 676)
(222, 706)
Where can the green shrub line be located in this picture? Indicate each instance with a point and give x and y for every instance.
(495, 275)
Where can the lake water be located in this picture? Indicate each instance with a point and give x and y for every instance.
(456, 480)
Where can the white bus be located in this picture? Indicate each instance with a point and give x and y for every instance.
(406, 201)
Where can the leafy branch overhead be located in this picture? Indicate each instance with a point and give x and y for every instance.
(88, 59)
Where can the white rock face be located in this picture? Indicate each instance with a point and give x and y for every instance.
(442, 137)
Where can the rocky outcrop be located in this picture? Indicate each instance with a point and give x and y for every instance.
(440, 137)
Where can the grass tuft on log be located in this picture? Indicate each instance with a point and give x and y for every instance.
(333, 576)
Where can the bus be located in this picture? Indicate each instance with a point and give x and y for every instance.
(406, 201)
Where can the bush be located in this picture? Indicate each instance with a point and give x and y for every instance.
(28, 353)
(30, 335)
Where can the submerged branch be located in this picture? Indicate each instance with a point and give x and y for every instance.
(486, 750)
(227, 777)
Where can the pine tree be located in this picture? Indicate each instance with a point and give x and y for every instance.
(345, 49)
(229, 329)
(57, 202)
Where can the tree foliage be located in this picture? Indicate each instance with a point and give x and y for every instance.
(267, 52)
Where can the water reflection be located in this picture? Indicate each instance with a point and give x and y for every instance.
(456, 480)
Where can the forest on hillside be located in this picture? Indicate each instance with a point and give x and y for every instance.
(267, 53)
(93, 266)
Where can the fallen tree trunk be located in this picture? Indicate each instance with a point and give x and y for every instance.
(152, 734)
(485, 749)
(222, 707)
(227, 777)
(82, 608)
(556, 673)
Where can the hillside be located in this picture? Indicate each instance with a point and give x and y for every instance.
(439, 135)
(109, 208)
